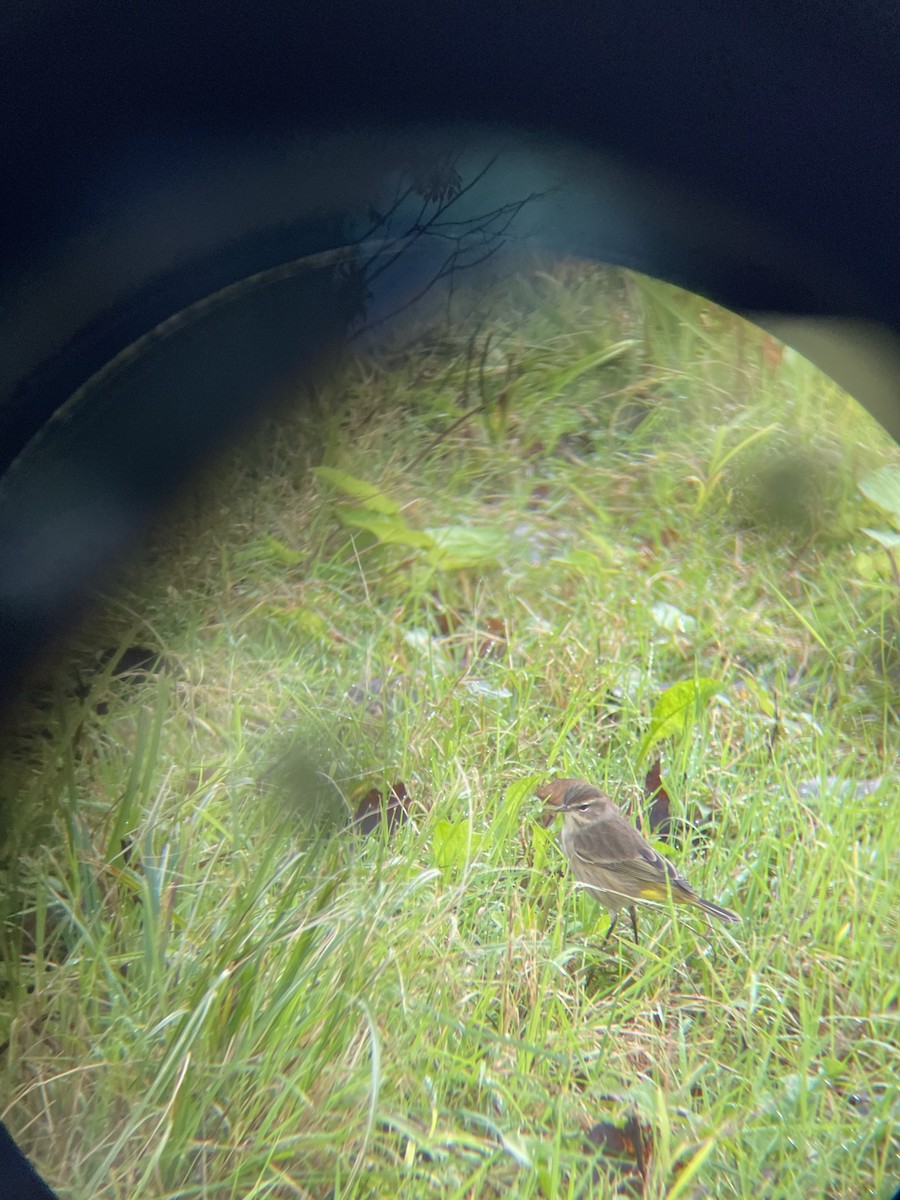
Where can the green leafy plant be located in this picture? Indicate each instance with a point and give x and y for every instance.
(371, 498)
(451, 846)
(446, 547)
(677, 710)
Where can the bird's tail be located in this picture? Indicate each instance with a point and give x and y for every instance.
(724, 914)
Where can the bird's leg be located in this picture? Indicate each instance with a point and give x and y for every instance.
(633, 912)
(612, 926)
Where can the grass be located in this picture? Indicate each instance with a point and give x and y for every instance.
(214, 988)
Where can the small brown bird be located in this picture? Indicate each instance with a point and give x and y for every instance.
(611, 859)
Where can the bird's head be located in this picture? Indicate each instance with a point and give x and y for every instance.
(578, 801)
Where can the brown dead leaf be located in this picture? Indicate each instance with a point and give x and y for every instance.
(553, 791)
(489, 642)
(658, 809)
(626, 1149)
(679, 831)
(391, 806)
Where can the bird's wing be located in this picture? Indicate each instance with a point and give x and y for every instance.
(611, 844)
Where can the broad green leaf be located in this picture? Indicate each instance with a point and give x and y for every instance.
(677, 709)
(508, 820)
(884, 537)
(269, 549)
(387, 529)
(590, 562)
(833, 1067)
(882, 487)
(520, 790)
(450, 844)
(280, 551)
(369, 496)
(577, 559)
(457, 546)
(870, 567)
